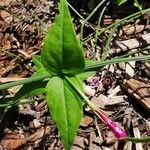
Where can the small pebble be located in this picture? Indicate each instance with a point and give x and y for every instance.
(36, 123)
(89, 91)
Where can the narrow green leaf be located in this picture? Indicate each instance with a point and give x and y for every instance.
(62, 53)
(83, 76)
(87, 62)
(98, 64)
(40, 72)
(32, 88)
(65, 107)
(37, 61)
(120, 2)
(138, 5)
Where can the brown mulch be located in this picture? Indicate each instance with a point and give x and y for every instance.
(121, 90)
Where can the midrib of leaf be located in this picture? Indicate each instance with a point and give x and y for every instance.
(63, 35)
(62, 30)
(66, 112)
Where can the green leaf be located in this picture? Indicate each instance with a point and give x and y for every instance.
(40, 72)
(32, 89)
(65, 107)
(37, 61)
(83, 76)
(136, 4)
(62, 53)
(87, 62)
(120, 2)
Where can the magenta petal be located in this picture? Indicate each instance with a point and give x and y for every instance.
(95, 82)
(118, 131)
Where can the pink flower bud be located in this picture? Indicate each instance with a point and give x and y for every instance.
(118, 131)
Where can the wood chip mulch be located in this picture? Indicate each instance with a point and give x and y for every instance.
(121, 90)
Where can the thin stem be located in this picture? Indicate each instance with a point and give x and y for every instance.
(84, 20)
(23, 101)
(114, 61)
(10, 54)
(81, 94)
(33, 15)
(14, 15)
(20, 18)
(120, 22)
(87, 67)
(80, 16)
(105, 49)
(132, 53)
(76, 11)
(25, 81)
(137, 140)
(99, 21)
(126, 19)
(118, 132)
(91, 14)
